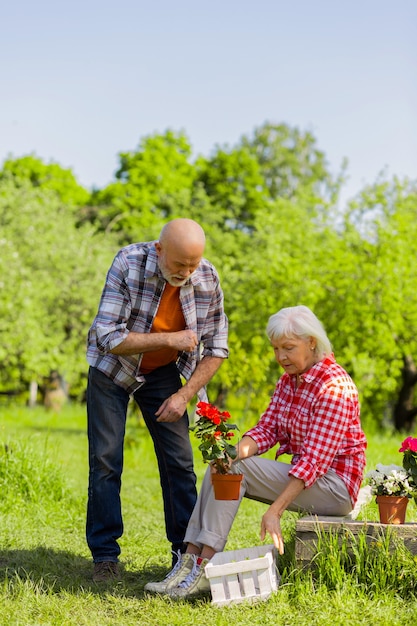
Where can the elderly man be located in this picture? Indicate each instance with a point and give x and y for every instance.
(160, 317)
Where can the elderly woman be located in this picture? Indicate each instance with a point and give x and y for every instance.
(314, 416)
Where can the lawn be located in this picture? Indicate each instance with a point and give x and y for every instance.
(45, 565)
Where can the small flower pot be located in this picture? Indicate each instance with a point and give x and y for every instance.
(392, 509)
(226, 486)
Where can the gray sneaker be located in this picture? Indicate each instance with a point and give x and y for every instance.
(181, 569)
(194, 585)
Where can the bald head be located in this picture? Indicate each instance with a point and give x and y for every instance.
(183, 233)
(180, 249)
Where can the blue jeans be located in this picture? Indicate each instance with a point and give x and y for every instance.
(106, 410)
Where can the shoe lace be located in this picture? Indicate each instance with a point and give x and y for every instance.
(190, 578)
(176, 566)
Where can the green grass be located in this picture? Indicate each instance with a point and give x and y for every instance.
(45, 565)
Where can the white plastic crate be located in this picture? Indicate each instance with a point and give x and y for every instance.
(240, 575)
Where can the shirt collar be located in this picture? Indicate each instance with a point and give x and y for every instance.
(151, 267)
(317, 368)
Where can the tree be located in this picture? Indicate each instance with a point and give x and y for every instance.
(153, 184)
(50, 272)
(52, 177)
(290, 162)
(234, 185)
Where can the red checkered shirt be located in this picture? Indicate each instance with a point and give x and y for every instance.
(318, 424)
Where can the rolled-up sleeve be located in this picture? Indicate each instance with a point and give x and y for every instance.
(215, 343)
(265, 433)
(110, 327)
(216, 326)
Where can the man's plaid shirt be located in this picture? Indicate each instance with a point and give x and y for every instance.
(318, 424)
(129, 302)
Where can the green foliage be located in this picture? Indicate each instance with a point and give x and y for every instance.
(410, 464)
(27, 475)
(49, 276)
(48, 177)
(290, 162)
(233, 181)
(380, 566)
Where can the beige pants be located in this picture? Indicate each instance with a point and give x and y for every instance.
(264, 480)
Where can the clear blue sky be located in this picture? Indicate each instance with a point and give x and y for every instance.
(84, 80)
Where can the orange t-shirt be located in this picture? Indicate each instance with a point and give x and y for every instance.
(169, 318)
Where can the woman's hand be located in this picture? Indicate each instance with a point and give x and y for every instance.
(226, 463)
(271, 521)
(271, 524)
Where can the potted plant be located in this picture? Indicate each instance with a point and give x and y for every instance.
(409, 450)
(393, 486)
(215, 433)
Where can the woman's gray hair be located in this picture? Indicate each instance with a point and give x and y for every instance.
(301, 322)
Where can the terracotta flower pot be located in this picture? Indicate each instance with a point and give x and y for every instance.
(392, 509)
(226, 486)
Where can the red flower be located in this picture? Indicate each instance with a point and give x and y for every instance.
(409, 444)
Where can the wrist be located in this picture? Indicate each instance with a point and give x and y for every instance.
(181, 393)
(276, 510)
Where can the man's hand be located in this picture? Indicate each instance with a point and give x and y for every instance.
(172, 409)
(271, 524)
(184, 340)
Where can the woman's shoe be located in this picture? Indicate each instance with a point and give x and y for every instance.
(181, 569)
(194, 585)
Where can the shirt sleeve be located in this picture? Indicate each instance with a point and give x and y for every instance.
(114, 309)
(215, 328)
(265, 433)
(334, 410)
